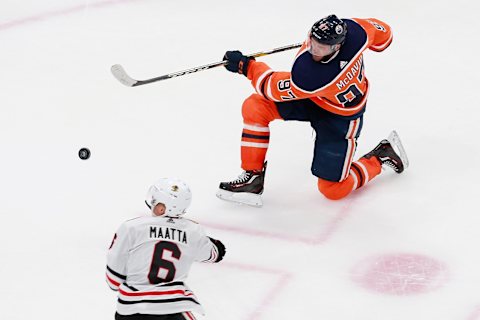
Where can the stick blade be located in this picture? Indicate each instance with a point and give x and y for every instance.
(120, 74)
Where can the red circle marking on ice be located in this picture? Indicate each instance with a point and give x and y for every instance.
(400, 274)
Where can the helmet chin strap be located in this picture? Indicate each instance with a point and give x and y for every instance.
(149, 206)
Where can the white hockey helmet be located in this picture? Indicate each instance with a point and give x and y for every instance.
(173, 193)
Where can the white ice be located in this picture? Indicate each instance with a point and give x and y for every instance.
(295, 258)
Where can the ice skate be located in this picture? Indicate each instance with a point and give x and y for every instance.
(246, 189)
(390, 152)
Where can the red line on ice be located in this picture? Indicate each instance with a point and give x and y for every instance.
(284, 278)
(326, 233)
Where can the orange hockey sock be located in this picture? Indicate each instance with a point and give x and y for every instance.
(361, 172)
(257, 113)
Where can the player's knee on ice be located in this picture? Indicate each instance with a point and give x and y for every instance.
(334, 190)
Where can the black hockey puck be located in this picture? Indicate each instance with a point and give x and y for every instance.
(84, 153)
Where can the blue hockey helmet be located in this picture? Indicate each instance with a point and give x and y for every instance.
(329, 30)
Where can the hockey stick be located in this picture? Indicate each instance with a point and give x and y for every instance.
(119, 73)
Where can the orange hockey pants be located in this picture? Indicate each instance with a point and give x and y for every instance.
(257, 114)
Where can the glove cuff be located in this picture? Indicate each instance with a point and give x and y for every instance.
(243, 65)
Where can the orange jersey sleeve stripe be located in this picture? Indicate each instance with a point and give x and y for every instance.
(379, 33)
(343, 92)
(257, 73)
(384, 46)
(271, 85)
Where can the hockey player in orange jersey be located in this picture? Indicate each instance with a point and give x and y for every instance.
(326, 87)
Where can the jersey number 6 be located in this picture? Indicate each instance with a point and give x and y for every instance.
(158, 262)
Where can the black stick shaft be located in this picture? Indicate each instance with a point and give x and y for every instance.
(124, 78)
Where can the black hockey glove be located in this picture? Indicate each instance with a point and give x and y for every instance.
(237, 62)
(220, 247)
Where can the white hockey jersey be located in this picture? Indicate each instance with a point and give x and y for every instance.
(150, 258)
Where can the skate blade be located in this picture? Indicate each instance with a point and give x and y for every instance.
(250, 199)
(396, 143)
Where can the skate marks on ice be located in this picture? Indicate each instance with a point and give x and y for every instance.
(400, 274)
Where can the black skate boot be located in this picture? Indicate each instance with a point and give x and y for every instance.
(246, 189)
(390, 152)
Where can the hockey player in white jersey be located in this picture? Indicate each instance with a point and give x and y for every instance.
(150, 257)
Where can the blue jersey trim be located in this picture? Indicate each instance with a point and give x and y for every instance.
(310, 76)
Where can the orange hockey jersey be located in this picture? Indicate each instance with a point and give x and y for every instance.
(338, 85)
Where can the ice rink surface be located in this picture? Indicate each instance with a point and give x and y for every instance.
(404, 247)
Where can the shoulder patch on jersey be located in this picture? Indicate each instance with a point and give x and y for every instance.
(310, 76)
